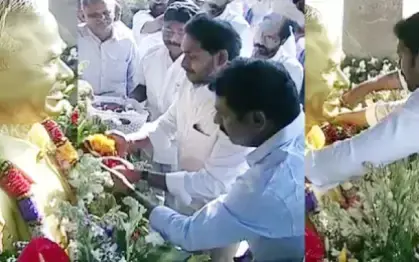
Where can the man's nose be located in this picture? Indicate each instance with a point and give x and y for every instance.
(65, 73)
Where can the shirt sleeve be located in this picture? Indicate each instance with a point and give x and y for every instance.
(213, 226)
(134, 72)
(390, 140)
(296, 71)
(138, 22)
(226, 162)
(379, 111)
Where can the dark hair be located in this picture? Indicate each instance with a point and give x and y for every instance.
(406, 31)
(258, 85)
(214, 35)
(180, 11)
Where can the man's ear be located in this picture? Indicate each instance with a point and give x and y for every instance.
(222, 58)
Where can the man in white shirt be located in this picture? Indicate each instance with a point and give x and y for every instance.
(225, 10)
(274, 41)
(109, 49)
(390, 140)
(147, 25)
(157, 62)
(208, 160)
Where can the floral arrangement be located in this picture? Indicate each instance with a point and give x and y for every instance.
(383, 225)
(359, 70)
(373, 218)
(99, 226)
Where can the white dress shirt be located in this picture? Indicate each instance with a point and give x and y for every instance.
(377, 112)
(390, 140)
(239, 23)
(155, 67)
(209, 161)
(111, 65)
(287, 56)
(265, 205)
(145, 41)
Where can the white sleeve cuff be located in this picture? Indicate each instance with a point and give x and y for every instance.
(371, 116)
(176, 186)
(164, 150)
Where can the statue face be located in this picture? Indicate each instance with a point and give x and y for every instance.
(323, 58)
(35, 65)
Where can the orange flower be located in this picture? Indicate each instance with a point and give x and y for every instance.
(66, 155)
(102, 145)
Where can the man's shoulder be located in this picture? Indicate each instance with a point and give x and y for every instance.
(156, 52)
(123, 33)
(82, 30)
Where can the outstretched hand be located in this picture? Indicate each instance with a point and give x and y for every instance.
(122, 143)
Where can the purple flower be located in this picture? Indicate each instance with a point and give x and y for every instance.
(29, 210)
(311, 201)
(109, 231)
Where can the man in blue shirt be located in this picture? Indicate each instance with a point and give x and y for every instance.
(257, 106)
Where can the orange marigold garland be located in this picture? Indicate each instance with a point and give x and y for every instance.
(65, 154)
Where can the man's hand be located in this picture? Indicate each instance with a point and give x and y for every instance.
(390, 81)
(125, 146)
(122, 143)
(123, 184)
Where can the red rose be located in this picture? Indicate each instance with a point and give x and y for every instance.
(75, 117)
(45, 248)
(314, 249)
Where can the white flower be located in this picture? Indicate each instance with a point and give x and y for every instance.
(154, 238)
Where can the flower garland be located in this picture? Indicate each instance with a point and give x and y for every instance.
(18, 185)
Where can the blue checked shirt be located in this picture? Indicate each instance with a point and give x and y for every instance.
(265, 206)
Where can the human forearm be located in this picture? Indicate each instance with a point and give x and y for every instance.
(213, 221)
(388, 141)
(357, 118)
(387, 82)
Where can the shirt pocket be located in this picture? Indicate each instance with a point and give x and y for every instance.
(116, 69)
(195, 149)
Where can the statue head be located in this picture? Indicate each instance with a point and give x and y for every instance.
(322, 64)
(30, 64)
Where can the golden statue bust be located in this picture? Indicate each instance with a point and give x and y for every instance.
(30, 66)
(323, 58)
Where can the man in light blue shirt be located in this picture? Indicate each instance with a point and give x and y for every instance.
(257, 106)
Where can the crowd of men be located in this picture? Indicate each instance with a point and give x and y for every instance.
(226, 126)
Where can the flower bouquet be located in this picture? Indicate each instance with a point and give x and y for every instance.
(384, 224)
(374, 218)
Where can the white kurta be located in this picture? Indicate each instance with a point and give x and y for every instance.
(145, 41)
(111, 65)
(209, 161)
(377, 112)
(242, 27)
(390, 140)
(287, 55)
(155, 68)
